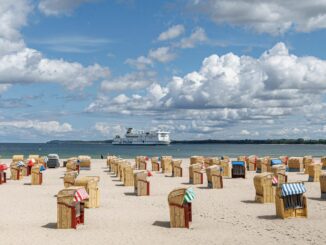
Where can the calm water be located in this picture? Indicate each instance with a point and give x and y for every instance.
(176, 150)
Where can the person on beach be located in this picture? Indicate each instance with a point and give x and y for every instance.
(102, 156)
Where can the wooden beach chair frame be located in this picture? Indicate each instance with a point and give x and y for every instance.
(67, 209)
(180, 212)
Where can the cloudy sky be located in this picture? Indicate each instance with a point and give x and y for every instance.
(219, 69)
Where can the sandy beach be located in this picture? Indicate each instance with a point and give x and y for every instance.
(220, 216)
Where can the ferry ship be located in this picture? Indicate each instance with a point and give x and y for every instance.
(140, 137)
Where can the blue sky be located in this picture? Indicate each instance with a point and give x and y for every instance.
(87, 69)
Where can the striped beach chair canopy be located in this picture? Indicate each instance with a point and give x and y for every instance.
(80, 195)
(238, 163)
(289, 189)
(189, 195)
(20, 164)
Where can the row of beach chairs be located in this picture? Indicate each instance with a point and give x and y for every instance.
(33, 166)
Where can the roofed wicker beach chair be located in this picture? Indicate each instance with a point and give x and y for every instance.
(90, 183)
(72, 164)
(195, 174)
(284, 160)
(35, 157)
(290, 200)
(196, 159)
(314, 171)
(69, 178)
(121, 165)
(166, 164)
(279, 174)
(226, 168)
(238, 169)
(243, 159)
(322, 180)
(252, 163)
(128, 175)
(70, 207)
(307, 160)
(176, 168)
(37, 175)
(16, 170)
(323, 162)
(265, 192)
(114, 166)
(27, 167)
(262, 164)
(214, 177)
(43, 161)
(180, 201)
(84, 162)
(273, 162)
(3, 174)
(155, 164)
(141, 163)
(210, 161)
(141, 183)
(17, 158)
(295, 164)
(29, 163)
(109, 160)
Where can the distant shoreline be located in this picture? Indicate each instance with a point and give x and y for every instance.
(209, 141)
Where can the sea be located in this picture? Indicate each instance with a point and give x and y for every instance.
(95, 150)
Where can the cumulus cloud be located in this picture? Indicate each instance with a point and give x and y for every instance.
(109, 130)
(141, 63)
(197, 36)
(136, 80)
(129, 105)
(173, 32)
(162, 54)
(20, 64)
(229, 90)
(60, 7)
(272, 17)
(43, 127)
(29, 66)
(167, 53)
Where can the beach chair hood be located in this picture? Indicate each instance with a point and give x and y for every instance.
(289, 189)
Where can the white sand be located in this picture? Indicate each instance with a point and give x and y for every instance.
(224, 216)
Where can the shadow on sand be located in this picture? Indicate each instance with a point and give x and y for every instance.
(186, 183)
(316, 199)
(249, 201)
(268, 217)
(164, 224)
(50, 226)
(130, 194)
